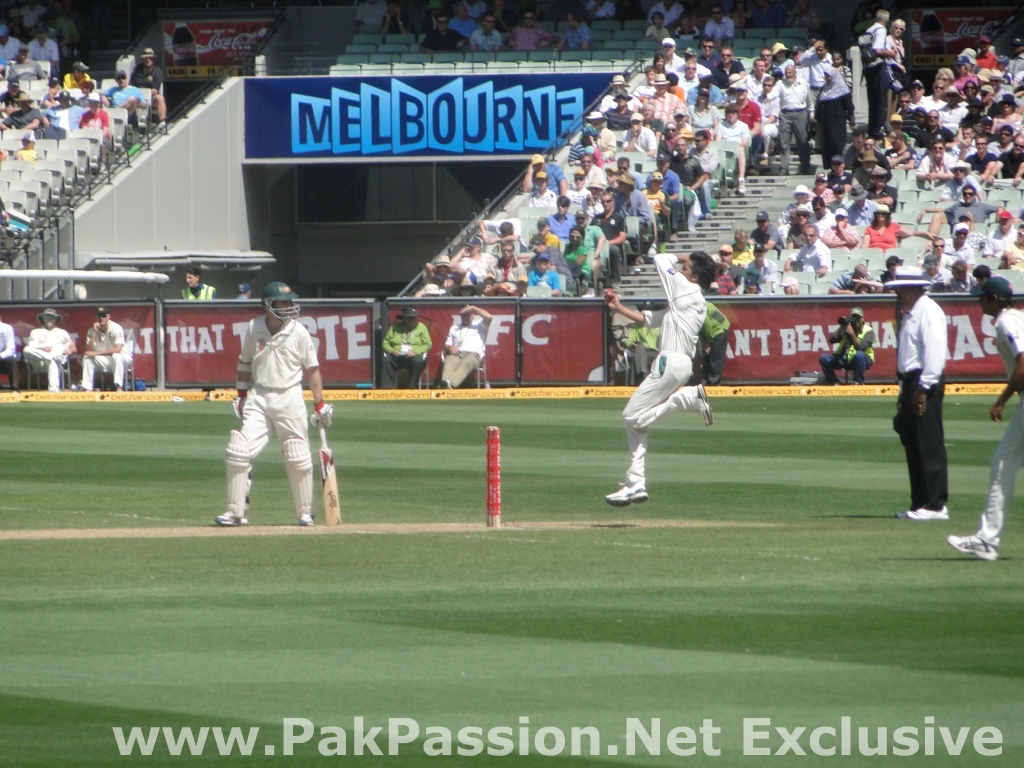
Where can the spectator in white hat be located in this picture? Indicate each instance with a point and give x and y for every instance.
(801, 196)
(639, 138)
(608, 101)
(673, 62)
(96, 117)
(605, 139)
(840, 237)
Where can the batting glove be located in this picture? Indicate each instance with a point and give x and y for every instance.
(239, 405)
(323, 415)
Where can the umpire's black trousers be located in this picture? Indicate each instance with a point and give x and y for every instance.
(923, 441)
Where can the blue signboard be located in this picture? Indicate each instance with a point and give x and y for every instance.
(417, 117)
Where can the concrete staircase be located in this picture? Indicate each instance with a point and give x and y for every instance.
(103, 57)
(770, 192)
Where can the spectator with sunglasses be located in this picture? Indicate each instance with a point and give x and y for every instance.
(971, 206)
(442, 38)
(529, 37)
(1011, 164)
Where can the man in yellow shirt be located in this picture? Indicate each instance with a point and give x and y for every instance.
(79, 74)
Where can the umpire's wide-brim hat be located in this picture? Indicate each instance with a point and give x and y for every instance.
(908, 277)
(49, 312)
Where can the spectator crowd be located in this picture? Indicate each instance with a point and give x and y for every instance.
(934, 176)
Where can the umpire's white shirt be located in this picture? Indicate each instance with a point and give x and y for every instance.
(922, 343)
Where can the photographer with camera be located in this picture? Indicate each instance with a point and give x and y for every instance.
(855, 351)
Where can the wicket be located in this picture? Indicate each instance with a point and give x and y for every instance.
(493, 477)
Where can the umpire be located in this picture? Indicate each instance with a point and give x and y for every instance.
(921, 358)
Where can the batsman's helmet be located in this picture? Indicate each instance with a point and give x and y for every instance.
(280, 292)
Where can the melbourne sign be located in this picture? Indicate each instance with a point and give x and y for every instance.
(413, 117)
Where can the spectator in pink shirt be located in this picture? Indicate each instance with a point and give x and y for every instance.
(528, 37)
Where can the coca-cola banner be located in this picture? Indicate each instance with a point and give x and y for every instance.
(562, 342)
(203, 339)
(937, 36)
(138, 321)
(500, 340)
(196, 50)
(769, 343)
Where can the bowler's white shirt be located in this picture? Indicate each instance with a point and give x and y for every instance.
(1010, 338)
(682, 321)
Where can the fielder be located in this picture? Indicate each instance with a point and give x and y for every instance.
(684, 278)
(997, 302)
(48, 347)
(104, 351)
(276, 351)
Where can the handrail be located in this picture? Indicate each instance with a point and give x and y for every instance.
(116, 162)
(1008, 23)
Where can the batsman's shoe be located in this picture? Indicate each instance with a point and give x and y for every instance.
(972, 545)
(229, 519)
(626, 495)
(705, 406)
(924, 514)
(305, 520)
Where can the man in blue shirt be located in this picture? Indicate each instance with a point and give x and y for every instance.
(541, 274)
(124, 96)
(673, 188)
(462, 24)
(560, 221)
(63, 118)
(768, 14)
(577, 35)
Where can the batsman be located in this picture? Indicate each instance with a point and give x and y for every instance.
(276, 351)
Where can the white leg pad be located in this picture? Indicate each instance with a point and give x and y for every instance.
(238, 462)
(298, 462)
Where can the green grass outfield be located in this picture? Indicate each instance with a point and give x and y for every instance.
(766, 578)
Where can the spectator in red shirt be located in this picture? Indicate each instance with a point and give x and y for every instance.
(726, 285)
(985, 59)
(96, 117)
(749, 113)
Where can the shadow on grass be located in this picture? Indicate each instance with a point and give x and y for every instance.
(961, 636)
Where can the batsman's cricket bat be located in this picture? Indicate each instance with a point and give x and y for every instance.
(332, 507)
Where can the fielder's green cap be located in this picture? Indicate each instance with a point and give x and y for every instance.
(994, 286)
(102, 312)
